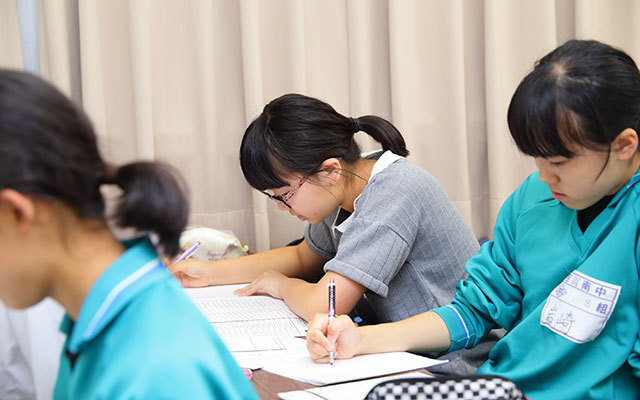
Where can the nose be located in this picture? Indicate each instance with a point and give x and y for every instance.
(281, 206)
(545, 171)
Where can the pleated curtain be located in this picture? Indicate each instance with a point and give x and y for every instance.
(179, 80)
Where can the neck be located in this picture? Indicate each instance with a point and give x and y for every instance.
(634, 164)
(86, 252)
(356, 181)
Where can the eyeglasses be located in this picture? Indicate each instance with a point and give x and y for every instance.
(285, 196)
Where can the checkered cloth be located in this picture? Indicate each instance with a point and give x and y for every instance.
(485, 387)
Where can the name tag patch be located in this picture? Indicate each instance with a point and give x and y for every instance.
(579, 307)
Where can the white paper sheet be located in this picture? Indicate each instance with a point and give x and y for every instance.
(255, 323)
(297, 364)
(255, 359)
(351, 390)
(252, 308)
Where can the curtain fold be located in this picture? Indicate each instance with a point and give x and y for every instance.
(179, 80)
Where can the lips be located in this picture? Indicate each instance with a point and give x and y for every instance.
(558, 196)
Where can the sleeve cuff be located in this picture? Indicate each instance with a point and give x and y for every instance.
(460, 337)
(371, 283)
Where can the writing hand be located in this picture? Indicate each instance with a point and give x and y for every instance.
(322, 337)
(191, 272)
(268, 282)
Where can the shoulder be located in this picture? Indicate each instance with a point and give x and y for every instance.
(634, 194)
(157, 317)
(164, 340)
(403, 181)
(408, 199)
(530, 193)
(406, 171)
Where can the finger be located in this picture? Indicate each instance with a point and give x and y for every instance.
(185, 280)
(317, 352)
(320, 360)
(315, 337)
(178, 276)
(247, 290)
(336, 327)
(177, 267)
(188, 281)
(319, 322)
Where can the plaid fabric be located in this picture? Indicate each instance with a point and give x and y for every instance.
(485, 387)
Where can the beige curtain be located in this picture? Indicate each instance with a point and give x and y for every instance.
(178, 80)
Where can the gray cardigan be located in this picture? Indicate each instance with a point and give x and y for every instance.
(406, 243)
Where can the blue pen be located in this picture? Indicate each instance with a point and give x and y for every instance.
(188, 252)
(332, 312)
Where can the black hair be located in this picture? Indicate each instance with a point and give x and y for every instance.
(296, 133)
(48, 148)
(582, 93)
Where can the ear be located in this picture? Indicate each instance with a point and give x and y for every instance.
(332, 167)
(21, 207)
(625, 145)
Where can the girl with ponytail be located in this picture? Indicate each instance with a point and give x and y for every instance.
(378, 226)
(131, 330)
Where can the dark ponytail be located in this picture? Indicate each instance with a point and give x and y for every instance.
(152, 200)
(296, 133)
(384, 133)
(48, 148)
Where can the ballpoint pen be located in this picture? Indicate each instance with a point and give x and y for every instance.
(332, 312)
(188, 252)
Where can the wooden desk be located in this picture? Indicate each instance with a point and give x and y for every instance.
(268, 385)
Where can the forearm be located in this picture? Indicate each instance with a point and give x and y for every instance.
(303, 298)
(247, 268)
(424, 332)
(308, 299)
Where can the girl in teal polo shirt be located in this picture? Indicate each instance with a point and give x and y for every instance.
(562, 272)
(131, 330)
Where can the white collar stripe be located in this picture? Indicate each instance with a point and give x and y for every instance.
(128, 281)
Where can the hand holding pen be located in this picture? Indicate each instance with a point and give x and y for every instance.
(340, 336)
(187, 253)
(332, 313)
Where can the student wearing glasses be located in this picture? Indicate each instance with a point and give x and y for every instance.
(379, 226)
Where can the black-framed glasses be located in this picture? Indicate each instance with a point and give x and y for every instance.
(286, 196)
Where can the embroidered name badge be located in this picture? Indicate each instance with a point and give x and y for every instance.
(579, 307)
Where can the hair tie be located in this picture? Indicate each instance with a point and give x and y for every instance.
(356, 125)
(110, 174)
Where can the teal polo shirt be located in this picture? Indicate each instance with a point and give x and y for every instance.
(570, 300)
(139, 336)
